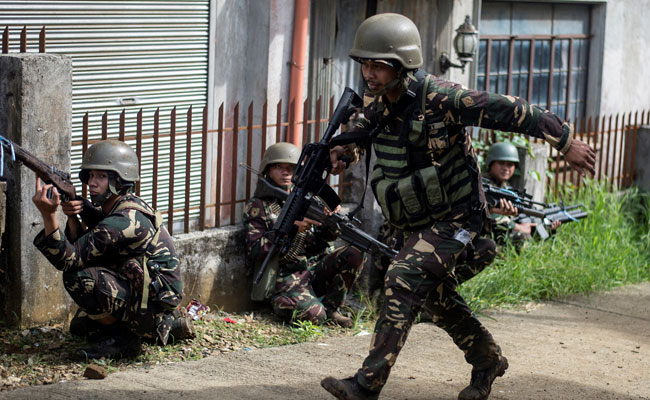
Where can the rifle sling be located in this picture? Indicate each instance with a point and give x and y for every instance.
(157, 224)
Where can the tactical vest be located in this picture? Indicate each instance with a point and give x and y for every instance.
(160, 283)
(420, 173)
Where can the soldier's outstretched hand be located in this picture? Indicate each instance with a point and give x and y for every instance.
(581, 157)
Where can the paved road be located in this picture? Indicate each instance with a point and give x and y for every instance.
(576, 348)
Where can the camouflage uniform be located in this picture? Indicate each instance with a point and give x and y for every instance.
(102, 269)
(310, 269)
(426, 264)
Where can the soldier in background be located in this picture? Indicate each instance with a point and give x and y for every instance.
(427, 181)
(121, 269)
(501, 161)
(310, 268)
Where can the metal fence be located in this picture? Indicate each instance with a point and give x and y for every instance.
(170, 159)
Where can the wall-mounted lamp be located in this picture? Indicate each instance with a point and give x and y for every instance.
(465, 44)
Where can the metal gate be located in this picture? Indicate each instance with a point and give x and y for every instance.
(128, 55)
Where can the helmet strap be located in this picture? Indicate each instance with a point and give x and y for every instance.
(99, 199)
(384, 89)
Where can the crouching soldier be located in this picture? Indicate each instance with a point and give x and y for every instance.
(120, 268)
(309, 269)
(501, 161)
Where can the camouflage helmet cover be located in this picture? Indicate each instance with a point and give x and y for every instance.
(502, 151)
(389, 37)
(111, 155)
(278, 153)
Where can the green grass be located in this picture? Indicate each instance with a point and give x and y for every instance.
(607, 249)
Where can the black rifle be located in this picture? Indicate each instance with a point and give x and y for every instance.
(48, 173)
(543, 218)
(310, 179)
(349, 232)
(521, 201)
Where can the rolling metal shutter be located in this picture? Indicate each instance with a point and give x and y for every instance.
(128, 55)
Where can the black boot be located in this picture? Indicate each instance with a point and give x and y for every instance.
(481, 383)
(81, 325)
(347, 389)
(126, 345)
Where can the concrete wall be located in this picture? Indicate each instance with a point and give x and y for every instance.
(35, 113)
(532, 171)
(214, 268)
(626, 76)
(250, 48)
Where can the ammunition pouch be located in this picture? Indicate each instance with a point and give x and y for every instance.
(412, 202)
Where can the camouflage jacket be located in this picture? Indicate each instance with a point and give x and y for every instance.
(260, 215)
(447, 110)
(124, 234)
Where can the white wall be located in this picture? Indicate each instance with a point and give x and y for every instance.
(626, 72)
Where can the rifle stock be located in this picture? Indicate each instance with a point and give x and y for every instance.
(48, 173)
(309, 179)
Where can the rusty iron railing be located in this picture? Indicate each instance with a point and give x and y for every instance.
(23, 40)
(614, 137)
(217, 203)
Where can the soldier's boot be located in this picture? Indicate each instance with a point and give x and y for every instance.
(481, 382)
(182, 326)
(83, 326)
(339, 319)
(347, 389)
(126, 345)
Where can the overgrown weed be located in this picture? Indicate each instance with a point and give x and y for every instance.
(607, 249)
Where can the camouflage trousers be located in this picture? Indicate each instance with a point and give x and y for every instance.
(103, 292)
(328, 277)
(425, 268)
(476, 256)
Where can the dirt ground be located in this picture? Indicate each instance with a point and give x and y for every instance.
(574, 348)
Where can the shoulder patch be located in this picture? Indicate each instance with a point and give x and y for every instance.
(468, 101)
(254, 212)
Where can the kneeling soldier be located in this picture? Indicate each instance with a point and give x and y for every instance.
(121, 269)
(309, 269)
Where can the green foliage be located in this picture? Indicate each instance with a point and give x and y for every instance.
(608, 248)
(304, 331)
(482, 147)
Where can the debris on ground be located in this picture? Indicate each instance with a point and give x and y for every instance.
(46, 354)
(94, 371)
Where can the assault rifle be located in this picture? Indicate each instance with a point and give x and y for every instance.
(349, 232)
(309, 180)
(48, 173)
(542, 217)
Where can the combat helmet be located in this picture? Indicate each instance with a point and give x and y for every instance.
(118, 159)
(280, 153)
(388, 37)
(502, 151)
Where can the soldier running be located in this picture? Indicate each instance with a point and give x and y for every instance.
(428, 184)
